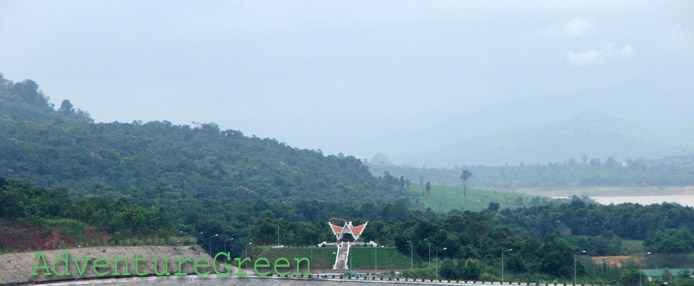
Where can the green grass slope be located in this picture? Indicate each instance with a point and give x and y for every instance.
(383, 258)
(444, 198)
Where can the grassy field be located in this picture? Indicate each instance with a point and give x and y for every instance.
(632, 246)
(364, 258)
(444, 198)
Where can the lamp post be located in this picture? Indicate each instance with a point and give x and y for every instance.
(437, 261)
(225, 245)
(278, 231)
(250, 243)
(576, 253)
(349, 258)
(502, 263)
(375, 259)
(429, 243)
(643, 255)
(411, 255)
(210, 239)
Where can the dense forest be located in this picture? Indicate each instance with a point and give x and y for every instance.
(29, 207)
(64, 148)
(157, 179)
(539, 242)
(211, 180)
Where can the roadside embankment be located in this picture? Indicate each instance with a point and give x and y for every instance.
(16, 268)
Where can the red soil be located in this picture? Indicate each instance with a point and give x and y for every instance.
(25, 236)
(616, 260)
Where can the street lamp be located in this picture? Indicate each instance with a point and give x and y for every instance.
(437, 261)
(429, 243)
(250, 243)
(210, 239)
(641, 270)
(225, 244)
(375, 259)
(278, 231)
(411, 255)
(575, 253)
(502, 263)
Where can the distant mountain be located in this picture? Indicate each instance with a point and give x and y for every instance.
(595, 135)
(624, 102)
(380, 159)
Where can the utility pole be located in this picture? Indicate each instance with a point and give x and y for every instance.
(250, 243)
(411, 255)
(375, 260)
(437, 262)
(643, 255)
(225, 246)
(278, 232)
(502, 264)
(575, 253)
(210, 239)
(429, 242)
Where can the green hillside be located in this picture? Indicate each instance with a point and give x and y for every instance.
(63, 148)
(212, 181)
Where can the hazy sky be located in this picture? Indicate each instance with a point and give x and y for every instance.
(347, 76)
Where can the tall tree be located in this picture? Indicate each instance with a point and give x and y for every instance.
(66, 107)
(464, 177)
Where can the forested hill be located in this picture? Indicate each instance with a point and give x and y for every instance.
(63, 148)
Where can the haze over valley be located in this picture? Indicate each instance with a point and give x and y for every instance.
(502, 141)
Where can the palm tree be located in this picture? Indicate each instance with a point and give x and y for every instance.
(466, 175)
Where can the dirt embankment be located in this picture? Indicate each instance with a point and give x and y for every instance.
(24, 236)
(17, 267)
(616, 260)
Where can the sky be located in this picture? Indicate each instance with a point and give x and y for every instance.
(353, 77)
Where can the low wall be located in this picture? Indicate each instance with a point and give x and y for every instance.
(16, 268)
(210, 280)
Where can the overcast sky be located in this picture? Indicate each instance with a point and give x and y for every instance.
(344, 76)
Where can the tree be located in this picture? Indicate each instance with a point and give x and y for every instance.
(557, 256)
(464, 177)
(493, 206)
(629, 276)
(471, 269)
(671, 241)
(29, 91)
(449, 270)
(66, 106)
